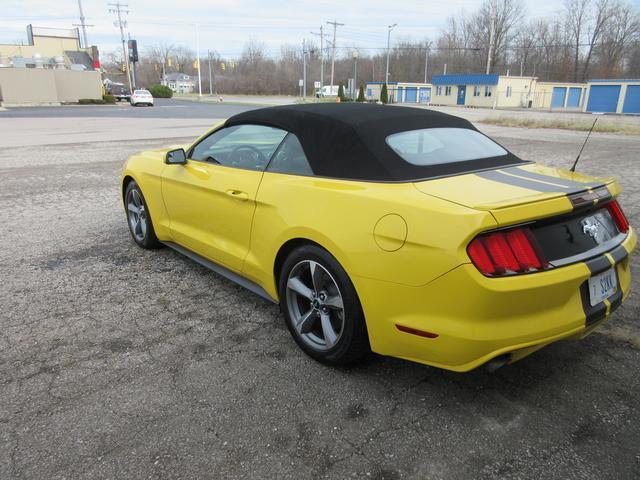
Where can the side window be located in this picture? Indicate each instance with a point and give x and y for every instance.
(290, 158)
(243, 146)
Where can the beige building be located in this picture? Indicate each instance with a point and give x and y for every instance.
(559, 96)
(50, 68)
(49, 47)
(480, 90)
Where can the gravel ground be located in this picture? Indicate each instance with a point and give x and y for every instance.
(121, 363)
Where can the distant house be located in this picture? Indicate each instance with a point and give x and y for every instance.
(179, 82)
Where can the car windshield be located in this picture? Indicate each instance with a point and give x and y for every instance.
(433, 146)
(142, 92)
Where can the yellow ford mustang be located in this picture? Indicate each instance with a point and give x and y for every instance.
(398, 230)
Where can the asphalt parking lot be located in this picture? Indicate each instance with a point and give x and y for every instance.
(121, 363)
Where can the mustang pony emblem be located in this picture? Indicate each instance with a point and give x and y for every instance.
(589, 227)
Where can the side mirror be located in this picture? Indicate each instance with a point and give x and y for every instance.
(176, 157)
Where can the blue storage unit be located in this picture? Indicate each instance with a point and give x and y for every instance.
(632, 99)
(574, 97)
(557, 99)
(399, 95)
(411, 94)
(603, 98)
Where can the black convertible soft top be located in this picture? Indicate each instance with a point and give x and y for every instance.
(348, 140)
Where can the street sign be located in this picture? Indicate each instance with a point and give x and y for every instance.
(317, 84)
(301, 83)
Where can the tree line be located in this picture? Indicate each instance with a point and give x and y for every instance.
(585, 39)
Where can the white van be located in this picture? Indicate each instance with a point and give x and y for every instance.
(327, 91)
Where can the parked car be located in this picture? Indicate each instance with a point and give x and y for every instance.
(141, 97)
(399, 230)
(120, 91)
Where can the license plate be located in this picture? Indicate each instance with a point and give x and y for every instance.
(602, 286)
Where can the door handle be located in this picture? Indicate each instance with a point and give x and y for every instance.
(238, 195)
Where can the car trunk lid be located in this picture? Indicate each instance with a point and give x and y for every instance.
(520, 194)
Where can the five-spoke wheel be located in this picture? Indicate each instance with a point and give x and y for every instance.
(315, 304)
(138, 217)
(321, 307)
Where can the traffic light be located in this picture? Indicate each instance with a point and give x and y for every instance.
(223, 67)
(133, 50)
(169, 62)
(196, 64)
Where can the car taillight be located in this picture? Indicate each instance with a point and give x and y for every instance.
(618, 216)
(506, 252)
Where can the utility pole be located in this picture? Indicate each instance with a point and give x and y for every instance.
(84, 25)
(426, 62)
(492, 28)
(304, 71)
(118, 10)
(198, 60)
(333, 53)
(355, 74)
(389, 28)
(210, 74)
(321, 34)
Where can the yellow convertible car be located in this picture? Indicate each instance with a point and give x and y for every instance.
(402, 231)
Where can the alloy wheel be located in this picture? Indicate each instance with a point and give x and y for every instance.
(137, 215)
(315, 305)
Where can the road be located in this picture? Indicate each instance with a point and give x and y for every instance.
(121, 363)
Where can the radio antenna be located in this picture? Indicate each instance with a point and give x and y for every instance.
(573, 169)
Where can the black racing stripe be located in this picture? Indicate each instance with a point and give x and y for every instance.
(548, 178)
(500, 177)
(616, 299)
(619, 253)
(592, 314)
(598, 264)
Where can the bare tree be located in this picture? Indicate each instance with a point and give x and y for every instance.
(601, 17)
(576, 14)
(622, 31)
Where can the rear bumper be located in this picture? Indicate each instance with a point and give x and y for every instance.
(478, 318)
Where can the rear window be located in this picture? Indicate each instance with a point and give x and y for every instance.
(434, 146)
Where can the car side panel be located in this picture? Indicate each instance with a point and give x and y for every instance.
(342, 215)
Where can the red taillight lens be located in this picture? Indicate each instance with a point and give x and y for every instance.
(480, 257)
(500, 253)
(618, 216)
(506, 252)
(522, 248)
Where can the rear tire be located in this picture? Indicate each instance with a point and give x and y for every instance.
(139, 218)
(321, 307)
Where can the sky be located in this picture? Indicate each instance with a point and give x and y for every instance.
(225, 26)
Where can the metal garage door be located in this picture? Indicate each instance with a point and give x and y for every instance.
(603, 98)
(557, 100)
(399, 98)
(574, 97)
(632, 99)
(411, 94)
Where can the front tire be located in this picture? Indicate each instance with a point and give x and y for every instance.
(321, 307)
(139, 218)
